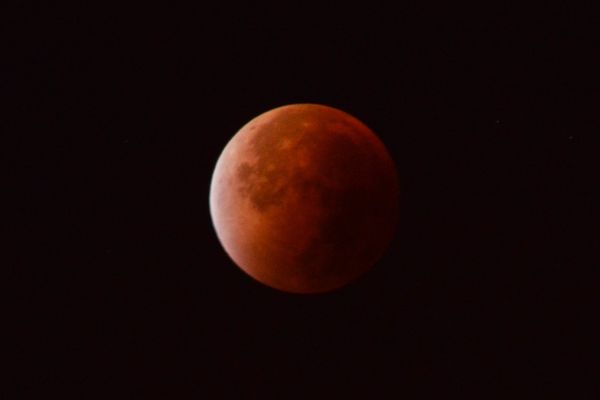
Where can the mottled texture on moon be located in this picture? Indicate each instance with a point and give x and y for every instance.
(304, 198)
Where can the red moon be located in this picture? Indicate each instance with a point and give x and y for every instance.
(304, 198)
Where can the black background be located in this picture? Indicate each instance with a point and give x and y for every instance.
(118, 115)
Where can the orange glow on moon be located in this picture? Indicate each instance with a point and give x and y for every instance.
(304, 198)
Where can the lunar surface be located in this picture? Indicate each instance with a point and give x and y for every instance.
(304, 198)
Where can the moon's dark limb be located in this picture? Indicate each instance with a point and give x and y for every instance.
(304, 198)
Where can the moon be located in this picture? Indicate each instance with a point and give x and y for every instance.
(304, 198)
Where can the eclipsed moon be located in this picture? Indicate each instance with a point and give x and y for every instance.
(304, 198)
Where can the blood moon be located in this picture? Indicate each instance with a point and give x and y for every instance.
(304, 198)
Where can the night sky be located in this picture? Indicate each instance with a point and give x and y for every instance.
(116, 121)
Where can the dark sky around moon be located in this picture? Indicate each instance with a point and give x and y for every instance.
(116, 120)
